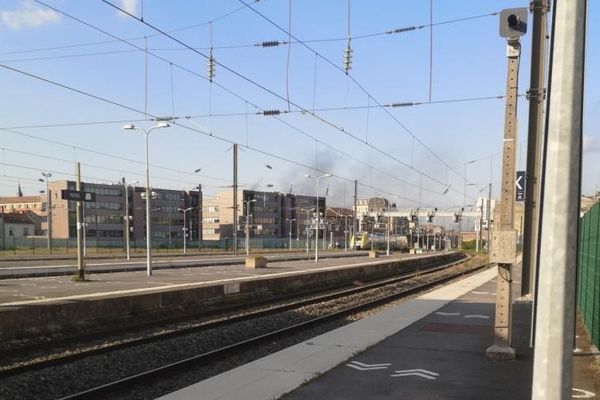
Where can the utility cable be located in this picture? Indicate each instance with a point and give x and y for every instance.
(360, 86)
(264, 88)
(194, 73)
(206, 133)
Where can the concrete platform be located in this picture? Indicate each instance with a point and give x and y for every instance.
(431, 347)
(54, 305)
(272, 376)
(57, 267)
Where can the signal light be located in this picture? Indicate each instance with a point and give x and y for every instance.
(513, 23)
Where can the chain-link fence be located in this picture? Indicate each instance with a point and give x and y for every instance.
(588, 278)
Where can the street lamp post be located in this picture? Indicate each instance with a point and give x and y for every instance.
(317, 216)
(127, 218)
(308, 211)
(185, 210)
(387, 252)
(161, 124)
(290, 232)
(46, 176)
(247, 202)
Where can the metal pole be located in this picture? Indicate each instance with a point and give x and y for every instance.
(84, 225)
(552, 367)
(505, 256)
(388, 236)
(49, 216)
(489, 217)
(318, 220)
(127, 228)
(79, 215)
(346, 233)
(148, 223)
(354, 211)
(480, 233)
(235, 199)
(534, 143)
(200, 216)
(184, 233)
(324, 226)
(307, 229)
(247, 229)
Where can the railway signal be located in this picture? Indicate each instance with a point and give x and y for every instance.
(513, 25)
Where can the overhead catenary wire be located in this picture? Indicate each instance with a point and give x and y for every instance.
(264, 112)
(318, 117)
(202, 131)
(263, 44)
(104, 154)
(197, 25)
(362, 88)
(228, 90)
(119, 170)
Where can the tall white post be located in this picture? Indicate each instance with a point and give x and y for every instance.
(553, 354)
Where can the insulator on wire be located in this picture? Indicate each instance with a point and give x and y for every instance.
(347, 58)
(270, 43)
(401, 104)
(271, 112)
(210, 68)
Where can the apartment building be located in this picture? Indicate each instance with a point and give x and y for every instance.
(104, 218)
(271, 214)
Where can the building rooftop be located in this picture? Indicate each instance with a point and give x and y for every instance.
(16, 218)
(20, 199)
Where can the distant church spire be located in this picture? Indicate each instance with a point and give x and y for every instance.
(19, 191)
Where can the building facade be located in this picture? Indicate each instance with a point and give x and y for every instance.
(268, 215)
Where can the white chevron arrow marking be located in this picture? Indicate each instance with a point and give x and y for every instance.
(447, 314)
(583, 394)
(477, 316)
(367, 367)
(423, 373)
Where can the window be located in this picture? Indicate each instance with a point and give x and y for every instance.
(25, 231)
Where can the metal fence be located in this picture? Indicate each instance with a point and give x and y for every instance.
(14, 246)
(588, 273)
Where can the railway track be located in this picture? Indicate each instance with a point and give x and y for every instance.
(84, 350)
(150, 377)
(161, 366)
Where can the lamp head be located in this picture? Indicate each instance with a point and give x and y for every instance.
(129, 127)
(163, 124)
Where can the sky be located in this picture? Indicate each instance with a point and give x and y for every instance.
(74, 72)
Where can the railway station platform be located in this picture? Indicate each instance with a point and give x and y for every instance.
(430, 347)
(55, 305)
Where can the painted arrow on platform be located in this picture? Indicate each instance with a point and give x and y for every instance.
(447, 314)
(423, 373)
(480, 316)
(367, 367)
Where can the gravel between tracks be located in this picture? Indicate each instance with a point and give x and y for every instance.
(58, 381)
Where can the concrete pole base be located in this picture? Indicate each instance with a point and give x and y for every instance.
(500, 352)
